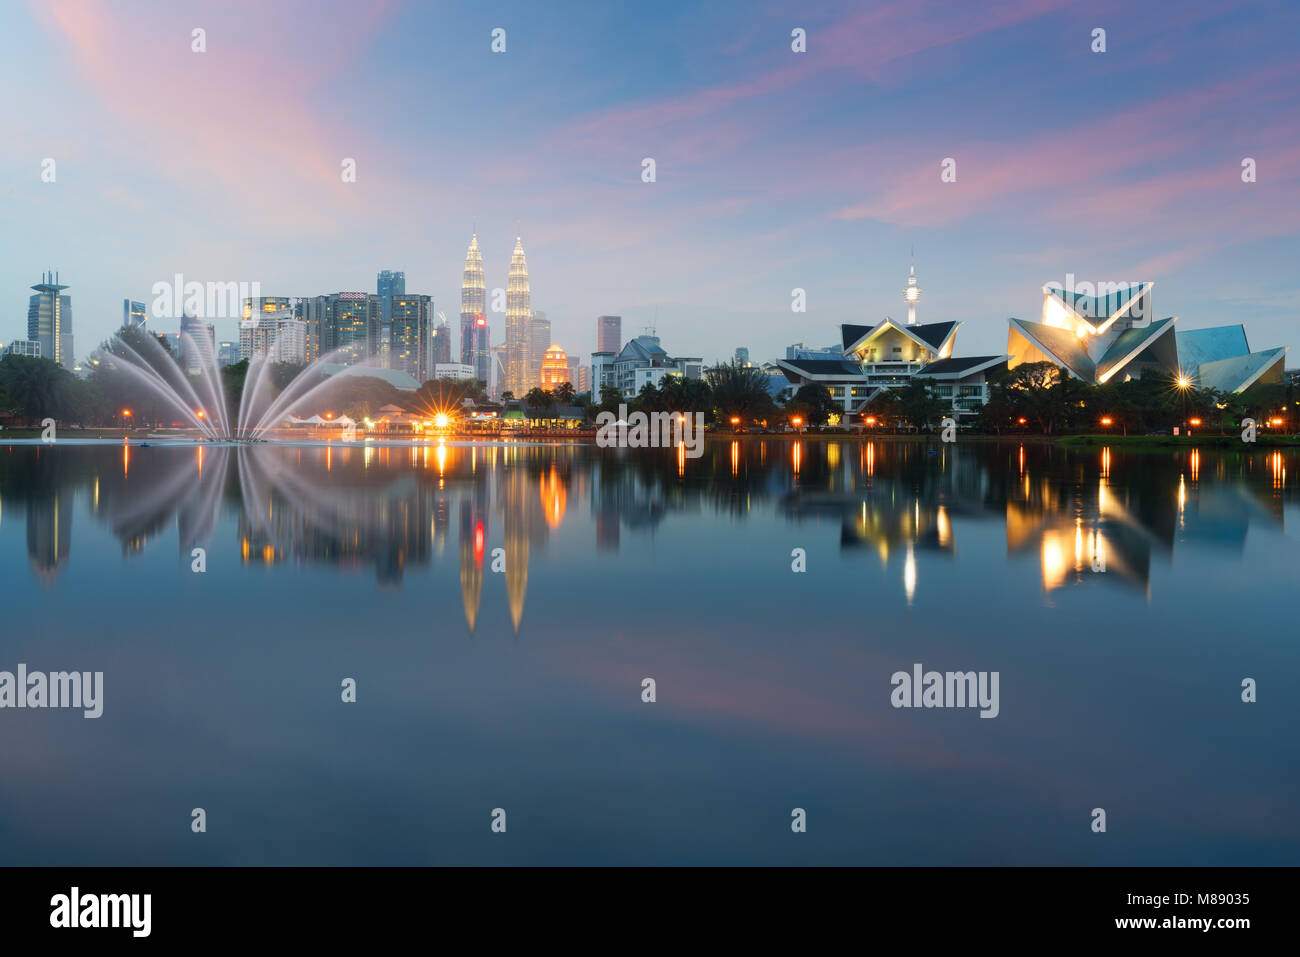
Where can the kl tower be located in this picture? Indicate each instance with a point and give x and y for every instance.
(911, 294)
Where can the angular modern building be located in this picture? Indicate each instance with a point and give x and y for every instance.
(1219, 358)
(1113, 337)
(889, 356)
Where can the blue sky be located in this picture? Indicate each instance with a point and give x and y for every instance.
(775, 170)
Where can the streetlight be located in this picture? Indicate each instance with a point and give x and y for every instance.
(1106, 420)
(797, 422)
(871, 420)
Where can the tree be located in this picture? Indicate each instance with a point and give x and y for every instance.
(814, 403)
(564, 394)
(920, 407)
(539, 398)
(1034, 387)
(739, 392)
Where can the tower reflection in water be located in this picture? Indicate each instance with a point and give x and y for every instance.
(1085, 516)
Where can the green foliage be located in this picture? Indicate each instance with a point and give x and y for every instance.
(739, 391)
(813, 403)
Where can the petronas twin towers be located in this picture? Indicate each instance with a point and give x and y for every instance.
(475, 350)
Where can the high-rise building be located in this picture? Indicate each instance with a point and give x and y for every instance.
(198, 344)
(583, 382)
(133, 314)
(266, 305)
(473, 307)
(609, 334)
(49, 320)
(440, 342)
(742, 356)
(554, 369)
(227, 353)
(573, 373)
(350, 321)
(497, 384)
(539, 340)
(280, 335)
(409, 335)
(518, 311)
(388, 285)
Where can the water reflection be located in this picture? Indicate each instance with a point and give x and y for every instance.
(1085, 516)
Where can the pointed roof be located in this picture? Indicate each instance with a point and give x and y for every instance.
(799, 369)
(851, 335)
(1059, 345)
(958, 368)
(1099, 311)
(1197, 346)
(934, 333)
(1128, 345)
(1239, 373)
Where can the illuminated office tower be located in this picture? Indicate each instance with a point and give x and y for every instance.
(539, 340)
(518, 312)
(473, 308)
(49, 320)
(609, 334)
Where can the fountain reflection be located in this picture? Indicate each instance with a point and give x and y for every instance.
(1101, 516)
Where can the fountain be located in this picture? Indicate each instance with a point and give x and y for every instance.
(189, 396)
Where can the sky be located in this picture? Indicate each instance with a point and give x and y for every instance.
(775, 170)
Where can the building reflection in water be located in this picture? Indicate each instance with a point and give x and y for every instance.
(1090, 516)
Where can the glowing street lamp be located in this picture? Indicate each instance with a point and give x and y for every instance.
(199, 413)
(1022, 420)
(441, 420)
(1184, 382)
(1106, 420)
(1193, 421)
(871, 420)
(735, 420)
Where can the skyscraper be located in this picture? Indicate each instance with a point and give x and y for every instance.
(409, 334)
(609, 334)
(133, 314)
(539, 340)
(473, 307)
(390, 283)
(440, 342)
(49, 320)
(518, 312)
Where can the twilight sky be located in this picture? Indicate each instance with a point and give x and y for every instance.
(775, 169)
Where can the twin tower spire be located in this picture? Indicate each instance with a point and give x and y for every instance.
(475, 349)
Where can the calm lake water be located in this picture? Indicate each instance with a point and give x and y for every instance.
(1121, 596)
